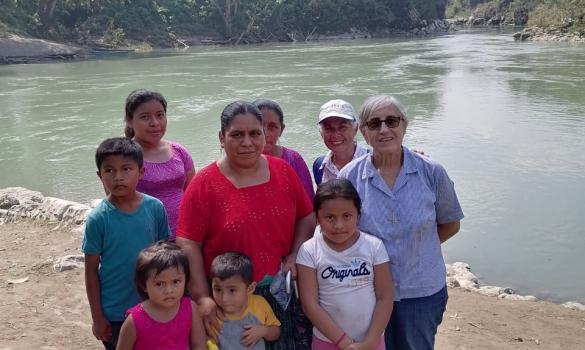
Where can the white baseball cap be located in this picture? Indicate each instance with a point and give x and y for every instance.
(337, 108)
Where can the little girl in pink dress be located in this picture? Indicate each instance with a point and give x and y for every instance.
(165, 319)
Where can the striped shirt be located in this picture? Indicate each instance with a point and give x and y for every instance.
(406, 218)
(329, 169)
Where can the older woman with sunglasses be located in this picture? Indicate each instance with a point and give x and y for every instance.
(409, 202)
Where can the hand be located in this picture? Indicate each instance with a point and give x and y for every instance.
(252, 334)
(290, 264)
(102, 330)
(362, 345)
(212, 316)
(420, 151)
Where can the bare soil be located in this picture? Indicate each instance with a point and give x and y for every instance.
(50, 310)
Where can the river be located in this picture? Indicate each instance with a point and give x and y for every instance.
(507, 120)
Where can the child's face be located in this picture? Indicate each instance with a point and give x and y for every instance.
(149, 122)
(120, 175)
(338, 219)
(166, 288)
(231, 294)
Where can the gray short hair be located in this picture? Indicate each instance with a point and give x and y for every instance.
(373, 103)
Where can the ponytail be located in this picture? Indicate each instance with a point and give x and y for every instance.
(129, 132)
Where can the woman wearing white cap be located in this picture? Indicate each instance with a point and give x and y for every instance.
(338, 127)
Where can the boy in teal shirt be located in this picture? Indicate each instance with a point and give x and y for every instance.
(116, 230)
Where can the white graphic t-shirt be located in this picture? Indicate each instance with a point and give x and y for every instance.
(345, 280)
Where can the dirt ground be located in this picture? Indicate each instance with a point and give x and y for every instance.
(50, 311)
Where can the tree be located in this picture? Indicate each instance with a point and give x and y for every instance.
(227, 9)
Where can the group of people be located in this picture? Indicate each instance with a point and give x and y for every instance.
(181, 259)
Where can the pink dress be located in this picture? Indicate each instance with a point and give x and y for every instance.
(166, 181)
(154, 335)
(297, 162)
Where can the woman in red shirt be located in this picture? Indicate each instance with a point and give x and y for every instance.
(249, 203)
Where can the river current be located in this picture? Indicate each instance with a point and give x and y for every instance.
(506, 119)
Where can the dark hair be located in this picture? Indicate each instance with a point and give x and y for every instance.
(118, 146)
(155, 258)
(336, 188)
(271, 105)
(134, 100)
(232, 264)
(236, 108)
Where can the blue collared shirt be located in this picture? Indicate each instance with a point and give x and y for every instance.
(406, 218)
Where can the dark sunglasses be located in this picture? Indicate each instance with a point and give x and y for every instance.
(390, 121)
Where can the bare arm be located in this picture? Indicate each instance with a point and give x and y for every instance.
(188, 177)
(310, 301)
(272, 333)
(384, 303)
(127, 335)
(101, 327)
(199, 287)
(447, 230)
(197, 331)
(304, 229)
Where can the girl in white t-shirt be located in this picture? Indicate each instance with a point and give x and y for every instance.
(344, 275)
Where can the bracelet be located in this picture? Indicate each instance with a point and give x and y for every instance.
(340, 339)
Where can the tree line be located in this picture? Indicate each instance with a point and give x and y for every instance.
(568, 14)
(161, 21)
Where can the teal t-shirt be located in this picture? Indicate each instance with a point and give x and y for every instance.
(118, 237)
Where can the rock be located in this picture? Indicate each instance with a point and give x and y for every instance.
(456, 21)
(20, 203)
(461, 272)
(517, 297)
(478, 21)
(574, 306)
(94, 203)
(494, 20)
(69, 262)
(17, 49)
(490, 291)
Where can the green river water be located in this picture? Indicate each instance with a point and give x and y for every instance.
(506, 119)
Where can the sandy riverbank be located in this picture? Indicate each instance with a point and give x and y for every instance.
(50, 311)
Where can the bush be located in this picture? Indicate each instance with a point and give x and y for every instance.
(560, 13)
(3, 30)
(116, 38)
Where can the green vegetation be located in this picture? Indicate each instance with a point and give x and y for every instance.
(3, 30)
(159, 22)
(568, 14)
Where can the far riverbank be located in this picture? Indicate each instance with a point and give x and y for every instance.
(15, 49)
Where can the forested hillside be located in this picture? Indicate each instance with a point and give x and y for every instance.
(540, 13)
(160, 22)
